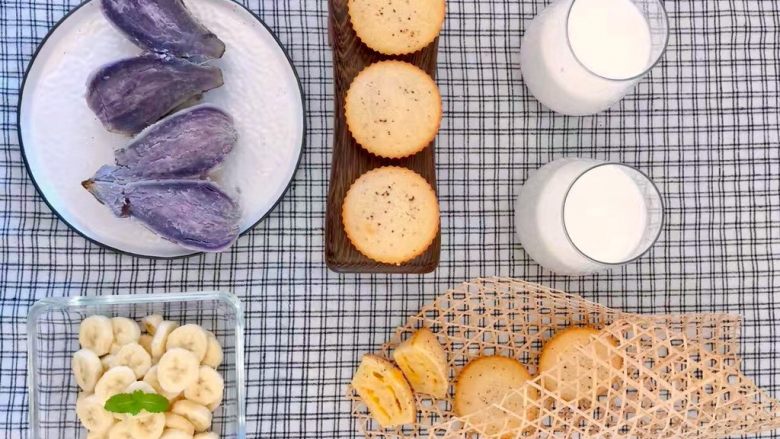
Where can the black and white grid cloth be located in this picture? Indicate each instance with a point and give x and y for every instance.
(704, 125)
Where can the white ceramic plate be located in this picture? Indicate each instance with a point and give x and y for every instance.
(63, 142)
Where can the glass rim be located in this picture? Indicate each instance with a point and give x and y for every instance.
(650, 244)
(630, 78)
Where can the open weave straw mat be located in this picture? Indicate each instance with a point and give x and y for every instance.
(679, 378)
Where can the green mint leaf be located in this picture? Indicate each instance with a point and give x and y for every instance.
(133, 403)
(153, 403)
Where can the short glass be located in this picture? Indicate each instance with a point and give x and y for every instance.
(52, 338)
(580, 57)
(578, 216)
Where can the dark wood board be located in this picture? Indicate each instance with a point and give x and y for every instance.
(349, 160)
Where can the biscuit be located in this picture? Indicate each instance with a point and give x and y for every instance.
(396, 27)
(424, 363)
(391, 214)
(576, 376)
(486, 381)
(385, 392)
(393, 109)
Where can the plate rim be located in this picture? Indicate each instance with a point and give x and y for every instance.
(304, 129)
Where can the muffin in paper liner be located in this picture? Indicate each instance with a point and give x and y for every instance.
(680, 374)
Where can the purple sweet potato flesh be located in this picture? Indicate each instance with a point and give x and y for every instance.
(163, 26)
(130, 94)
(195, 214)
(187, 144)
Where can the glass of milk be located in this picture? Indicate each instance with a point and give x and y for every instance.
(577, 216)
(579, 57)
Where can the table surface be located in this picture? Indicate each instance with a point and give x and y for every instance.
(704, 125)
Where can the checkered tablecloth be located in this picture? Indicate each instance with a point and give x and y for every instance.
(704, 125)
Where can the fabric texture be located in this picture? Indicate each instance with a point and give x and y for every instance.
(705, 125)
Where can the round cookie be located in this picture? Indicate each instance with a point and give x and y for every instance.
(391, 214)
(486, 381)
(396, 27)
(393, 109)
(576, 376)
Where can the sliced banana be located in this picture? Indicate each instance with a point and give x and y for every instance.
(162, 331)
(114, 381)
(108, 361)
(135, 357)
(96, 334)
(120, 430)
(92, 414)
(197, 414)
(214, 406)
(172, 433)
(207, 435)
(150, 323)
(125, 330)
(179, 422)
(214, 354)
(97, 435)
(145, 340)
(147, 425)
(177, 370)
(140, 385)
(87, 369)
(191, 337)
(207, 389)
(151, 379)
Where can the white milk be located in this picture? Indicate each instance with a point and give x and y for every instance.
(609, 37)
(605, 215)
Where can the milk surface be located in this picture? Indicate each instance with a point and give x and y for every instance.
(605, 214)
(610, 37)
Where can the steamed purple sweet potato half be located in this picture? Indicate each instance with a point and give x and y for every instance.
(163, 26)
(130, 94)
(195, 214)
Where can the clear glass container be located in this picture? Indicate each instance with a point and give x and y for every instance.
(580, 57)
(578, 216)
(52, 338)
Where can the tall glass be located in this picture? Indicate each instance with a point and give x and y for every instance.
(580, 57)
(578, 216)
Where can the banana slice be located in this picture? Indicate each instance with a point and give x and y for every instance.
(140, 385)
(147, 425)
(87, 369)
(191, 337)
(151, 379)
(214, 406)
(198, 415)
(108, 361)
(96, 334)
(179, 422)
(208, 435)
(150, 323)
(424, 363)
(120, 430)
(115, 347)
(383, 388)
(214, 353)
(207, 389)
(172, 433)
(125, 330)
(114, 381)
(161, 333)
(97, 435)
(92, 414)
(135, 357)
(145, 340)
(177, 370)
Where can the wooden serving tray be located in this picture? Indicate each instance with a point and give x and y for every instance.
(350, 160)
